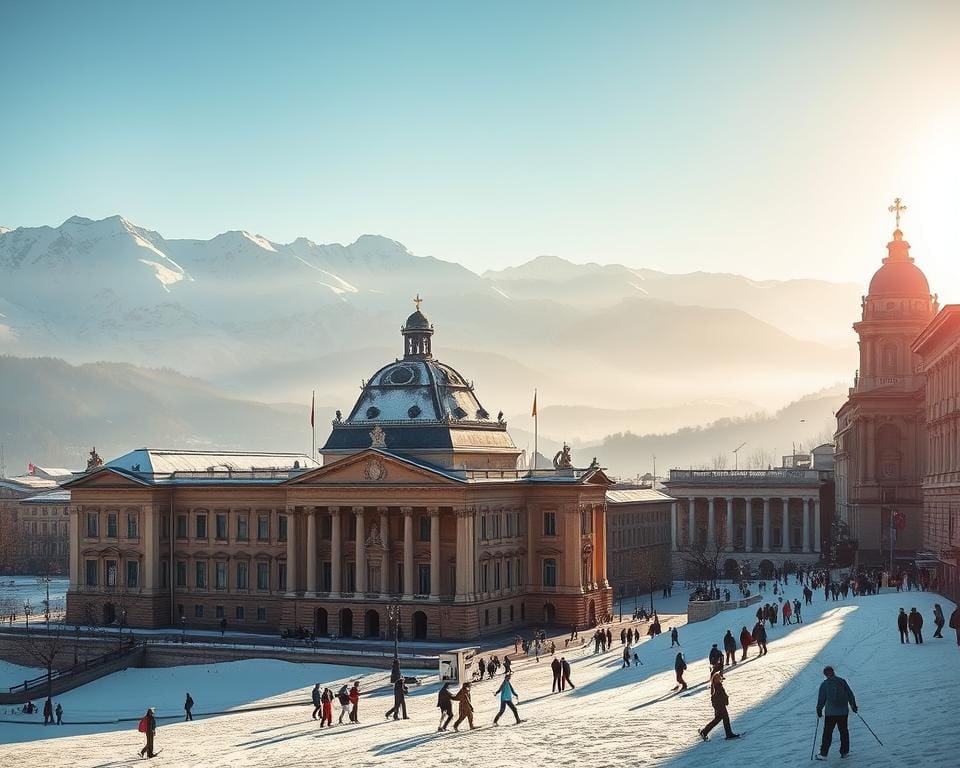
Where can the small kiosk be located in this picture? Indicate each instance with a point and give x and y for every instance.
(457, 666)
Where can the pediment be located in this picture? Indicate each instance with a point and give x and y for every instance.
(374, 467)
(105, 477)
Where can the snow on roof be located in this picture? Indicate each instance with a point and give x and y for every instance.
(53, 497)
(637, 495)
(163, 461)
(28, 482)
(52, 473)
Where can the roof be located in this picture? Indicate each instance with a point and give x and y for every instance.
(899, 276)
(164, 461)
(28, 483)
(53, 497)
(931, 334)
(637, 496)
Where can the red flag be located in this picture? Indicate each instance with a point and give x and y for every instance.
(313, 398)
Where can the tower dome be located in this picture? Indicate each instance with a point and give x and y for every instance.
(899, 276)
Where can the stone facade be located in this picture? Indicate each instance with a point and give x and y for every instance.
(638, 540)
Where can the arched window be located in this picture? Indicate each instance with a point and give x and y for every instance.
(890, 358)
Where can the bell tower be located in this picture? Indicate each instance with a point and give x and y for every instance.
(417, 333)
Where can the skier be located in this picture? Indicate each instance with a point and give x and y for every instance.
(955, 622)
(626, 656)
(557, 671)
(915, 622)
(465, 707)
(938, 619)
(343, 698)
(745, 639)
(326, 702)
(719, 700)
(716, 659)
(148, 727)
(507, 695)
(565, 667)
(902, 626)
(188, 707)
(680, 666)
(833, 698)
(730, 648)
(399, 702)
(674, 637)
(59, 713)
(445, 705)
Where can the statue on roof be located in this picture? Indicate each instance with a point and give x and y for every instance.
(94, 461)
(562, 460)
(378, 438)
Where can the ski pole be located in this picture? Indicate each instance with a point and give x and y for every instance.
(870, 729)
(815, 729)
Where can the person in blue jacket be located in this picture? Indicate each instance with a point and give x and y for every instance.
(507, 695)
(834, 699)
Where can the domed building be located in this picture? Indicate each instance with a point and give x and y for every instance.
(418, 524)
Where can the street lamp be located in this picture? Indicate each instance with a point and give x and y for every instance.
(621, 602)
(651, 595)
(183, 628)
(393, 617)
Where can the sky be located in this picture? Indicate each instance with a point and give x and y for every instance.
(766, 139)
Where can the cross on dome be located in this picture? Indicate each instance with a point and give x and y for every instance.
(897, 208)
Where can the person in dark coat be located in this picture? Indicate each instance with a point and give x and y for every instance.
(626, 656)
(730, 648)
(565, 679)
(188, 707)
(834, 697)
(760, 638)
(557, 668)
(395, 673)
(399, 700)
(314, 696)
(445, 705)
(343, 698)
(150, 728)
(938, 620)
(716, 659)
(482, 666)
(955, 622)
(915, 622)
(745, 640)
(719, 700)
(902, 626)
(680, 666)
(59, 713)
(674, 637)
(48, 711)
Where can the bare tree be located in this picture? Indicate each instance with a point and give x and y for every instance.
(761, 458)
(47, 646)
(719, 461)
(704, 561)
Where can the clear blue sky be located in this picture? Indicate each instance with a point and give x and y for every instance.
(763, 138)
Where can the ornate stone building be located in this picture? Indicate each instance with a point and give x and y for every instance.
(638, 539)
(419, 509)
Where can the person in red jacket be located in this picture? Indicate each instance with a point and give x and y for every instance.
(355, 702)
(745, 640)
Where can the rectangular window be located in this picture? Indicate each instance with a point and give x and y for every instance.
(198, 611)
(133, 530)
(218, 612)
(509, 565)
(201, 582)
(511, 613)
(282, 577)
(424, 527)
(496, 575)
(261, 614)
(164, 527)
(221, 527)
(133, 573)
(181, 526)
(282, 528)
(243, 532)
(238, 613)
(549, 572)
(263, 527)
(164, 574)
(111, 573)
(400, 578)
(112, 525)
(326, 576)
(182, 574)
(423, 577)
(486, 617)
(499, 615)
(326, 527)
(496, 526)
(220, 575)
(263, 576)
(549, 523)
(201, 526)
(484, 576)
(509, 524)
(351, 577)
(242, 575)
(483, 527)
(91, 572)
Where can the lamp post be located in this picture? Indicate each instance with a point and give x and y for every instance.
(621, 601)
(651, 595)
(393, 617)
(123, 619)
(183, 629)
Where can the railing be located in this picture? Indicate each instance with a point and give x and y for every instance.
(743, 475)
(82, 666)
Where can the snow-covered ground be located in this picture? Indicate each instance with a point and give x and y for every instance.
(909, 694)
(14, 674)
(17, 590)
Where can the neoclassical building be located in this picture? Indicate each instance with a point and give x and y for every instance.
(418, 508)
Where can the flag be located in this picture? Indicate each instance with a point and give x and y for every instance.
(534, 412)
(313, 398)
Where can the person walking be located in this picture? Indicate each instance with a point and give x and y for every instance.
(465, 707)
(938, 620)
(719, 700)
(745, 639)
(315, 698)
(760, 638)
(188, 707)
(730, 649)
(557, 672)
(674, 637)
(507, 694)
(565, 680)
(902, 626)
(355, 702)
(399, 700)
(955, 622)
(679, 667)
(716, 659)
(915, 622)
(326, 708)
(833, 700)
(395, 673)
(48, 711)
(148, 727)
(445, 705)
(59, 713)
(787, 612)
(626, 656)
(343, 699)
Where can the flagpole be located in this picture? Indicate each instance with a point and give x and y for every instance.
(313, 425)
(536, 420)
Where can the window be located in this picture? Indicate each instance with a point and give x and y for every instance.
(164, 527)
(91, 573)
(220, 575)
(400, 578)
(243, 532)
(112, 525)
(238, 613)
(486, 617)
(326, 576)
(242, 575)
(423, 578)
(549, 572)
(198, 611)
(509, 524)
(549, 523)
(496, 575)
(509, 565)
(201, 526)
(326, 527)
(201, 582)
(483, 527)
(182, 574)
(111, 573)
(495, 525)
(499, 615)
(586, 521)
(351, 577)
(133, 573)
(133, 530)
(485, 576)
(261, 614)
(218, 612)
(282, 528)
(181, 526)
(263, 575)
(424, 528)
(222, 527)
(282, 577)
(511, 613)
(263, 527)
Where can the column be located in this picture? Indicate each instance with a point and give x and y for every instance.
(730, 535)
(434, 552)
(748, 524)
(291, 550)
(385, 567)
(361, 556)
(336, 555)
(76, 568)
(766, 524)
(673, 526)
(711, 524)
(407, 552)
(311, 553)
(785, 527)
(816, 524)
(807, 512)
(692, 522)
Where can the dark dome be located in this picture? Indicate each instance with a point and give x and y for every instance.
(899, 278)
(417, 321)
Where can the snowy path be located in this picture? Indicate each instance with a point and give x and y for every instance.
(909, 695)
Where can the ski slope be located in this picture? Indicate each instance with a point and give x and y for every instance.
(616, 717)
